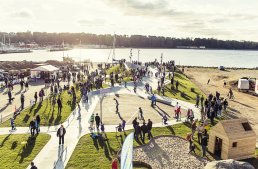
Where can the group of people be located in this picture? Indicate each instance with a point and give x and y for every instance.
(142, 130)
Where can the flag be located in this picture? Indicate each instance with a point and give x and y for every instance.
(127, 152)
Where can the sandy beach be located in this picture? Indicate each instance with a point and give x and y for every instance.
(244, 104)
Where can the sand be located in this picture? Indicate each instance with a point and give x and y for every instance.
(244, 104)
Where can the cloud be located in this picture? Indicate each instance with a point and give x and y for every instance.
(22, 14)
(92, 22)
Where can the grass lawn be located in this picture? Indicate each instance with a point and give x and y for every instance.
(15, 154)
(98, 154)
(48, 115)
(185, 86)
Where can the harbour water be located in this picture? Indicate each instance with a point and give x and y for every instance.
(228, 58)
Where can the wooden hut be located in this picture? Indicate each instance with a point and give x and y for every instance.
(232, 139)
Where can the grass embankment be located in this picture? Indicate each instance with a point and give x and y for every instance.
(49, 115)
(184, 89)
(95, 153)
(126, 74)
(16, 154)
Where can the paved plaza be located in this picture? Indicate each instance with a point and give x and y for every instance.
(77, 125)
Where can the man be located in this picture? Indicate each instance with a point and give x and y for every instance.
(202, 99)
(12, 123)
(36, 97)
(144, 130)
(149, 126)
(38, 123)
(33, 166)
(9, 96)
(123, 124)
(32, 127)
(138, 132)
(134, 122)
(116, 104)
(153, 100)
(199, 132)
(97, 120)
(204, 143)
(197, 101)
(177, 84)
(61, 133)
(22, 101)
(141, 114)
(59, 105)
(225, 104)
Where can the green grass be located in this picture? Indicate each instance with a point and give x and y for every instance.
(185, 86)
(16, 155)
(120, 70)
(97, 154)
(48, 115)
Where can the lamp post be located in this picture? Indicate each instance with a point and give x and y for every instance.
(161, 58)
(131, 54)
(138, 55)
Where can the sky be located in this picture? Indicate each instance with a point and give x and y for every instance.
(221, 19)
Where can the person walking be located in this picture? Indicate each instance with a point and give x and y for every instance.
(26, 86)
(61, 133)
(165, 119)
(153, 100)
(97, 120)
(22, 101)
(140, 116)
(123, 124)
(36, 97)
(33, 166)
(177, 84)
(59, 105)
(9, 96)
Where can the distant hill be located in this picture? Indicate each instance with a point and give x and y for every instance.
(137, 41)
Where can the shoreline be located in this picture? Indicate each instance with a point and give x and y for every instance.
(18, 65)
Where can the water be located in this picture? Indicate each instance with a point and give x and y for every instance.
(228, 58)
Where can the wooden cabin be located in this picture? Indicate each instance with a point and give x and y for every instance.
(232, 139)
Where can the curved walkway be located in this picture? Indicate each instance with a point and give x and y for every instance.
(55, 156)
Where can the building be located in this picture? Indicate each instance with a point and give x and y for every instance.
(232, 139)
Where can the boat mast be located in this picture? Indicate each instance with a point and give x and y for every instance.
(114, 46)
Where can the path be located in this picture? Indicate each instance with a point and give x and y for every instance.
(54, 156)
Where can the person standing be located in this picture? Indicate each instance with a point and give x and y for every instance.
(61, 133)
(153, 100)
(199, 132)
(149, 126)
(22, 101)
(38, 124)
(12, 123)
(97, 120)
(32, 127)
(204, 143)
(144, 130)
(115, 164)
(177, 84)
(202, 99)
(59, 105)
(165, 119)
(197, 101)
(26, 86)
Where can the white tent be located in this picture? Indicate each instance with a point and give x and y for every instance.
(45, 68)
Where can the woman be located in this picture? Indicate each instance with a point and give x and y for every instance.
(115, 164)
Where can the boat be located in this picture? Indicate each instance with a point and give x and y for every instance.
(5, 49)
(59, 48)
(56, 49)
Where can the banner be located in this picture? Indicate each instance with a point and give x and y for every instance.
(127, 152)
